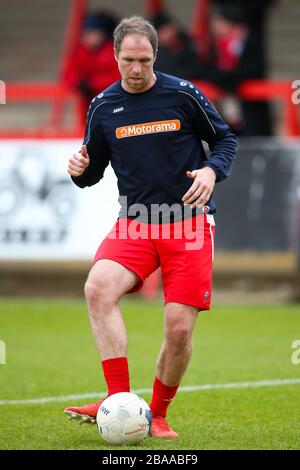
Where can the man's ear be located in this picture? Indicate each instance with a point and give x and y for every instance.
(116, 55)
(155, 56)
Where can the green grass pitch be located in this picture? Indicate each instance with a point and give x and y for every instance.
(50, 353)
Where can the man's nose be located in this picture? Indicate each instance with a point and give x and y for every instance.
(136, 68)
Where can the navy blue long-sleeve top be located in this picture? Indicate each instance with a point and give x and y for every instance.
(152, 139)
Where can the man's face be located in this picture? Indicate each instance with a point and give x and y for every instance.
(167, 34)
(135, 62)
(93, 38)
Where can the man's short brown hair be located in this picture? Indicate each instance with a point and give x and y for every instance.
(135, 25)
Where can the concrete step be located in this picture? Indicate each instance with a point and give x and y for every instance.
(31, 38)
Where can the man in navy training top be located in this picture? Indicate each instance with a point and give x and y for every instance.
(150, 127)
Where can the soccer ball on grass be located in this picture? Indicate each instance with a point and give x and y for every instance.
(124, 418)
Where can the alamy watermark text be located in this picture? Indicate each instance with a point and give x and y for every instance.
(2, 92)
(2, 352)
(295, 358)
(296, 93)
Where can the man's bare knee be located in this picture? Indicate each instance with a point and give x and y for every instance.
(179, 325)
(99, 291)
(178, 335)
(107, 282)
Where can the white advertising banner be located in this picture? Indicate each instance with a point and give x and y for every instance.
(43, 214)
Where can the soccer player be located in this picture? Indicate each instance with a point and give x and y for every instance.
(150, 127)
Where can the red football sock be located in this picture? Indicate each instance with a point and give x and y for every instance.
(161, 397)
(116, 375)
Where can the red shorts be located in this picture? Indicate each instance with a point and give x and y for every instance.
(183, 250)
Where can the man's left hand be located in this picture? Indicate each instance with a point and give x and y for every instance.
(202, 187)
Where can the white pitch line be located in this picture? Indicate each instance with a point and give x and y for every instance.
(184, 389)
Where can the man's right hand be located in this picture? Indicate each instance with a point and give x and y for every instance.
(78, 162)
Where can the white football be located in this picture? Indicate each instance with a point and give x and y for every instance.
(124, 418)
